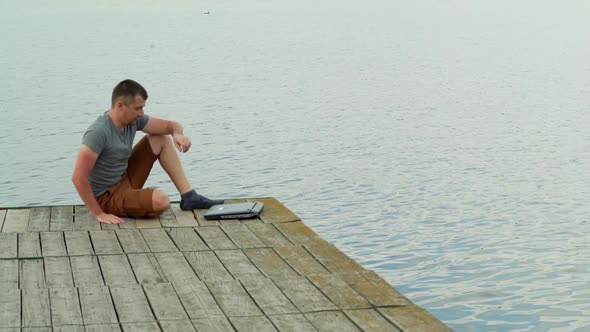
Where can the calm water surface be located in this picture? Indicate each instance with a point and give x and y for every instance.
(445, 146)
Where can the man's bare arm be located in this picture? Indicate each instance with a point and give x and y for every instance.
(84, 165)
(157, 126)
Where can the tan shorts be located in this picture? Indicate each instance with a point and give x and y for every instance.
(126, 198)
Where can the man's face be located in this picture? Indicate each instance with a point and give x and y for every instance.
(134, 110)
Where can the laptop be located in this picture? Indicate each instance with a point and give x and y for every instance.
(234, 210)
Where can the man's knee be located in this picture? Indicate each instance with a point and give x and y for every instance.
(157, 142)
(160, 201)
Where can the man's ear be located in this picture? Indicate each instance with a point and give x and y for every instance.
(119, 104)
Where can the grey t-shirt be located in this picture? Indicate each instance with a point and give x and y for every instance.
(113, 146)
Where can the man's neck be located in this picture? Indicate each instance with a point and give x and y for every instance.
(116, 119)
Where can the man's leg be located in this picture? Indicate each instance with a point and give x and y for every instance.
(128, 198)
(163, 147)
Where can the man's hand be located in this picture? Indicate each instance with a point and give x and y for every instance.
(106, 218)
(181, 142)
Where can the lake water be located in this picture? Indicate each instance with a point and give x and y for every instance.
(443, 144)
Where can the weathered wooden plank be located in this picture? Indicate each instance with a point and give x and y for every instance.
(131, 304)
(32, 274)
(374, 278)
(58, 272)
(298, 232)
(233, 299)
(158, 240)
(207, 266)
(164, 301)
(16, 221)
(105, 242)
(177, 325)
(86, 271)
(84, 220)
(128, 223)
(229, 222)
(304, 295)
(116, 270)
(2, 217)
(109, 227)
(213, 324)
(252, 323)
(167, 218)
(413, 319)
(35, 308)
(53, 244)
(8, 245)
(103, 328)
(275, 212)
(97, 306)
(78, 243)
(186, 239)
(300, 260)
(146, 268)
(69, 328)
(141, 327)
(10, 303)
(271, 264)
(65, 306)
(29, 245)
(292, 323)
(132, 241)
(242, 236)
(331, 321)
(238, 264)
(183, 218)
(175, 267)
(269, 235)
(9, 274)
(200, 216)
(381, 294)
(268, 296)
(62, 218)
(215, 238)
(39, 219)
(339, 292)
(147, 223)
(332, 258)
(196, 299)
(370, 320)
(245, 222)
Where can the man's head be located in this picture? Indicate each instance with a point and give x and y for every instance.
(128, 100)
(126, 91)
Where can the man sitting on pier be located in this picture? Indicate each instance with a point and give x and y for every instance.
(109, 173)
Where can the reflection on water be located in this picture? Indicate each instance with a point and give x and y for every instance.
(443, 146)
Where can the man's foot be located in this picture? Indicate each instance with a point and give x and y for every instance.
(192, 200)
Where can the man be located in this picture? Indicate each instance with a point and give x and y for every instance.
(109, 174)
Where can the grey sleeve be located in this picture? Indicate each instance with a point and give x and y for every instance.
(95, 139)
(142, 121)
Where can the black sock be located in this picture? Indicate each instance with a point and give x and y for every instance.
(191, 200)
(189, 194)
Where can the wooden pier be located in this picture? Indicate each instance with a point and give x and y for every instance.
(61, 270)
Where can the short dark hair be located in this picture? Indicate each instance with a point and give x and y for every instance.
(127, 90)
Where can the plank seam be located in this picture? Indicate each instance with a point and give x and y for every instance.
(180, 299)
(113, 303)
(167, 231)
(316, 259)
(104, 282)
(194, 230)
(3, 213)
